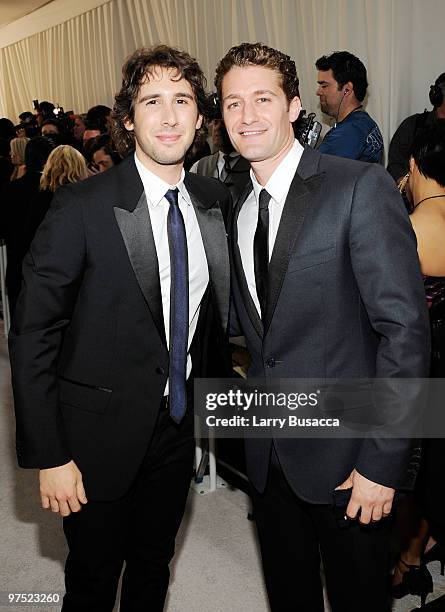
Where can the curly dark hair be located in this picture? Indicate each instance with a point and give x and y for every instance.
(98, 115)
(103, 142)
(345, 68)
(134, 73)
(259, 54)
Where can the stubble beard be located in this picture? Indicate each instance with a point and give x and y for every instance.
(171, 161)
(163, 158)
(325, 109)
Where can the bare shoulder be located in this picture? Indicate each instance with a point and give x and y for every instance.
(429, 217)
(428, 222)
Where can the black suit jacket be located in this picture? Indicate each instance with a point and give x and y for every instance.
(88, 350)
(345, 300)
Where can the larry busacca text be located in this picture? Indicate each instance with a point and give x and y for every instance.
(318, 407)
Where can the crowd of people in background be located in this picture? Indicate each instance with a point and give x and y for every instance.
(41, 153)
(48, 149)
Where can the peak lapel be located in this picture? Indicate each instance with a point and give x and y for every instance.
(300, 198)
(135, 226)
(214, 237)
(239, 270)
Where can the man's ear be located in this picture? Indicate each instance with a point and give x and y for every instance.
(294, 109)
(348, 88)
(128, 124)
(199, 122)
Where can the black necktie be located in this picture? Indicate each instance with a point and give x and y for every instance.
(261, 251)
(227, 168)
(179, 307)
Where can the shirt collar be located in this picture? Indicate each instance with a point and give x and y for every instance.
(155, 188)
(233, 158)
(232, 154)
(279, 183)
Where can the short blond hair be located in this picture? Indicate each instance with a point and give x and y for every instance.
(64, 165)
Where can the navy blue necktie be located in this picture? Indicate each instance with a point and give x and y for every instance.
(179, 307)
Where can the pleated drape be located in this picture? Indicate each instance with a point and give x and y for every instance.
(78, 62)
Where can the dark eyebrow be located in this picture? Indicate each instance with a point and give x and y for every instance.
(322, 82)
(231, 96)
(255, 93)
(157, 95)
(264, 91)
(184, 95)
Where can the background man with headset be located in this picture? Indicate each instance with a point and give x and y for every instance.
(342, 86)
(400, 146)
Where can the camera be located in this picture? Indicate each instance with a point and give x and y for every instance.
(214, 107)
(307, 129)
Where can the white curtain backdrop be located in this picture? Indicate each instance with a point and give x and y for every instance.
(77, 62)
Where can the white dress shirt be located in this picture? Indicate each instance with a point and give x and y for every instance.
(155, 190)
(278, 187)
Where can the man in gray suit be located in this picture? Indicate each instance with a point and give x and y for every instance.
(326, 284)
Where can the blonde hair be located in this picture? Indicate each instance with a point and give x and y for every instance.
(18, 146)
(64, 165)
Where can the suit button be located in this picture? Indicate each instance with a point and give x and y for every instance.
(270, 363)
(160, 370)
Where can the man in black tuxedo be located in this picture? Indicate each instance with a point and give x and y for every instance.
(126, 286)
(326, 284)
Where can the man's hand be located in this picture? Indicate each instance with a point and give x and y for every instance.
(373, 499)
(61, 489)
(92, 170)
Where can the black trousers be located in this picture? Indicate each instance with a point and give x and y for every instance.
(138, 529)
(295, 535)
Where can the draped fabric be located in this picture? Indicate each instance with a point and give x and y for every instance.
(73, 64)
(77, 62)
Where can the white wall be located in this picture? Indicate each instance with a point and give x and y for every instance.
(428, 52)
(46, 17)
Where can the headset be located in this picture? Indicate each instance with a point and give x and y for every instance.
(345, 93)
(436, 91)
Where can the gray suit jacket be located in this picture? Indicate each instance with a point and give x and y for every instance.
(345, 300)
(235, 181)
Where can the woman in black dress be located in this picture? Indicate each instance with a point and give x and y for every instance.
(425, 184)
